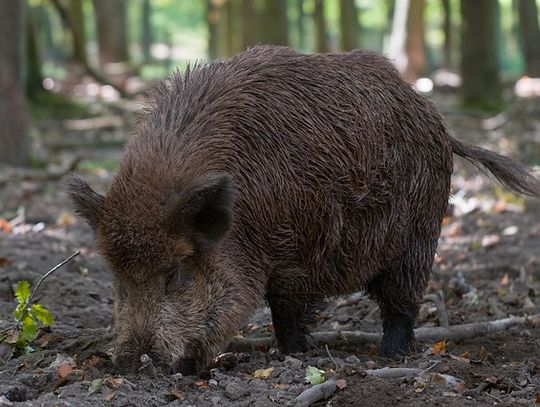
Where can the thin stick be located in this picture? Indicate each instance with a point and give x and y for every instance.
(48, 273)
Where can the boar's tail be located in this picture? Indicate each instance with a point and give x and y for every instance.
(508, 172)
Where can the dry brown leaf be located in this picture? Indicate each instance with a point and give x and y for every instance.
(5, 226)
(114, 383)
(263, 373)
(281, 386)
(461, 359)
(491, 379)
(341, 384)
(4, 261)
(439, 348)
(505, 280)
(483, 355)
(200, 383)
(178, 394)
(111, 396)
(66, 219)
(64, 369)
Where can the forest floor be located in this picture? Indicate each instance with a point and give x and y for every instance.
(488, 267)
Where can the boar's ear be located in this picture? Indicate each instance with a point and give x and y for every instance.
(87, 202)
(203, 212)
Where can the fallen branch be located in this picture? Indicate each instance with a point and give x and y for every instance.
(314, 394)
(394, 372)
(40, 176)
(425, 334)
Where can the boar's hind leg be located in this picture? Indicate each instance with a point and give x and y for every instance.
(399, 290)
(290, 318)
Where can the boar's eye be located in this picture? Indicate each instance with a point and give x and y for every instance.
(175, 279)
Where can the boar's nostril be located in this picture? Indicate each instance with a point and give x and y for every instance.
(185, 366)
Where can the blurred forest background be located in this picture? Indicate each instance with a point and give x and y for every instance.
(58, 57)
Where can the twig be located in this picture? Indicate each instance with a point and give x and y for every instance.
(442, 314)
(426, 334)
(315, 393)
(47, 274)
(331, 357)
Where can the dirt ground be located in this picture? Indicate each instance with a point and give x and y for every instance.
(488, 267)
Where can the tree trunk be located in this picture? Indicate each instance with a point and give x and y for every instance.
(300, 23)
(530, 36)
(447, 29)
(321, 45)
(213, 16)
(13, 146)
(78, 35)
(348, 22)
(111, 30)
(34, 78)
(415, 46)
(146, 32)
(275, 22)
(481, 88)
(248, 24)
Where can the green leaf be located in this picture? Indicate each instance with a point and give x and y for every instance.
(315, 375)
(22, 292)
(95, 386)
(29, 329)
(42, 314)
(20, 311)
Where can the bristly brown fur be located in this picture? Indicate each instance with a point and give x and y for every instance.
(282, 176)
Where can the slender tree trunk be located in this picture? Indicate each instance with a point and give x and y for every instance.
(481, 88)
(415, 46)
(34, 78)
(321, 45)
(248, 24)
(13, 146)
(111, 29)
(300, 24)
(213, 16)
(275, 22)
(530, 36)
(78, 35)
(349, 27)
(146, 25)
(447, 29)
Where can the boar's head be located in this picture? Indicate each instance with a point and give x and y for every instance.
(172, 299)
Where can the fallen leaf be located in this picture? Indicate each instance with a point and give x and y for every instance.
(111, 396)
(281, 386)
(95, 386)
(64, 369)
(505, 280)
(465, 355)
(113, 382)
(263, 373)
(178, 394)
(4, 261)
(65, 219)
(200, 383)
(439, 348)
(341, 384)
(315, 375)
(5, 226)
(491, 379)
(483, 355)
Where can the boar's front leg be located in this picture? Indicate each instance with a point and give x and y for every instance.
(290, 318)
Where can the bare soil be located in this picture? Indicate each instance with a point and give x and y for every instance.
(488, 267)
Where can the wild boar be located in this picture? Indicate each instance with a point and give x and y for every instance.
(275, 176)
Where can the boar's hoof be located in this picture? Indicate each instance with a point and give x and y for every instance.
(295, 343)
(398, 338)
(185, 366)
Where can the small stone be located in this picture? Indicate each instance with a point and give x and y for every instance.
(293, 362)
(370, 364)
(352, 359)
(286, 377)
(235, 390)
(213, 382)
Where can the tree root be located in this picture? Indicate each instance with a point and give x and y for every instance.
(424, 334)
